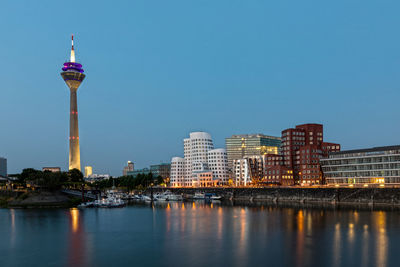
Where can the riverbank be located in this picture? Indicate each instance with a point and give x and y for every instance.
(364, 196)
(42, 199)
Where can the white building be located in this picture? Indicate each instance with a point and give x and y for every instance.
(195, 154)
(177, 172)
(241, 172)
(218, 164)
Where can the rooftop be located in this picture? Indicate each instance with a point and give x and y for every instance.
(366, 150)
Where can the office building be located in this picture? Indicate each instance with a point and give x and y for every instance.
(73, 77)
(302, 148)
(377, 166)
(163, 170)
(3, 167)
(245, 145)
(128, 168)
(88, 171)
(135, 173)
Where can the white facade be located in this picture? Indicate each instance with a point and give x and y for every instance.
(195, 154)
(241, 172)
(177, 172)
(218, 164)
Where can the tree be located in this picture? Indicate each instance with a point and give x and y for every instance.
(75, 175)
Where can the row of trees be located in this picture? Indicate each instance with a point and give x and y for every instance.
(47, 179)
(74, 178)
(141, 181)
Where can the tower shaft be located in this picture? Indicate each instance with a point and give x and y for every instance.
(74, 151)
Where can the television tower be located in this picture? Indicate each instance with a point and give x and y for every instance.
(73, 76)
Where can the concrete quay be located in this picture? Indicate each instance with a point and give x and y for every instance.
(370, 196)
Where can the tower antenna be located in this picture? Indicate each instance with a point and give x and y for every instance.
(72, 59)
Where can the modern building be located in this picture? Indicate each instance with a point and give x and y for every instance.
(244, 145)
(302, 148)
(202, 165)
(97, 177)
(88, 171)
(203, 179)
(196, 148)
(128, 168)
(278, 175)
(162, 169)
(51, 169)
(3, 167)
(241, 172)
(218, 164)
(377, 166)
(135, 173)
(248, 170)
(73, 77)
(177, 172)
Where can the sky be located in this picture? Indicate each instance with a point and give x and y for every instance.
(157, 70)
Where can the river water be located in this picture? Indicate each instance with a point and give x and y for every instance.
(200, 234)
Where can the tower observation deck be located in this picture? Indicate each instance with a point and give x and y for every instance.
(73, 76)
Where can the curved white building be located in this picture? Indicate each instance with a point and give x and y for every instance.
(195, 153)
(177, 171)
(218, 164)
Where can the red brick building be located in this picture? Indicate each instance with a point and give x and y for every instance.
(302, 147)
(278, 175)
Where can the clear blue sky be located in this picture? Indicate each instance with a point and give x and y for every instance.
(157, 70)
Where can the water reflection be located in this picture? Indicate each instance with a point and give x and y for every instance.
(77, 253)
(201, 233)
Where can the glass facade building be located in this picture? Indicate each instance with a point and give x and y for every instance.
(240, 146)
(373, 166)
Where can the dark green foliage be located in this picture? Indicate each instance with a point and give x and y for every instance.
(49, 180)
(141, 181)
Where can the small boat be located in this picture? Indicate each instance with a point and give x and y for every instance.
(198, 195)
(212, 196)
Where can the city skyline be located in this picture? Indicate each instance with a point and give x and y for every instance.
(158, 74)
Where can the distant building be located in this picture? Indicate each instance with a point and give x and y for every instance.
(244, 145)
(248, 170)
(177, 172)
(377, 166)
(88, 171)
(128, 168)
(163, 170)
(3, 167)
(51, 169)
(135, 173)
(97, 177)
(278, 175)
(218, 164)
(302, 148)
(241, 172)
(200, 159)
(195, 154)
(203, 179)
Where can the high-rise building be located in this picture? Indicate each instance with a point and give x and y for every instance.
(177, 172)
(244, 145)
(302, 148)
(88, 171)
(128, 168)
(218, 164)
(195, 154)
(73, 77)
(3, 167)
(377, 166)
